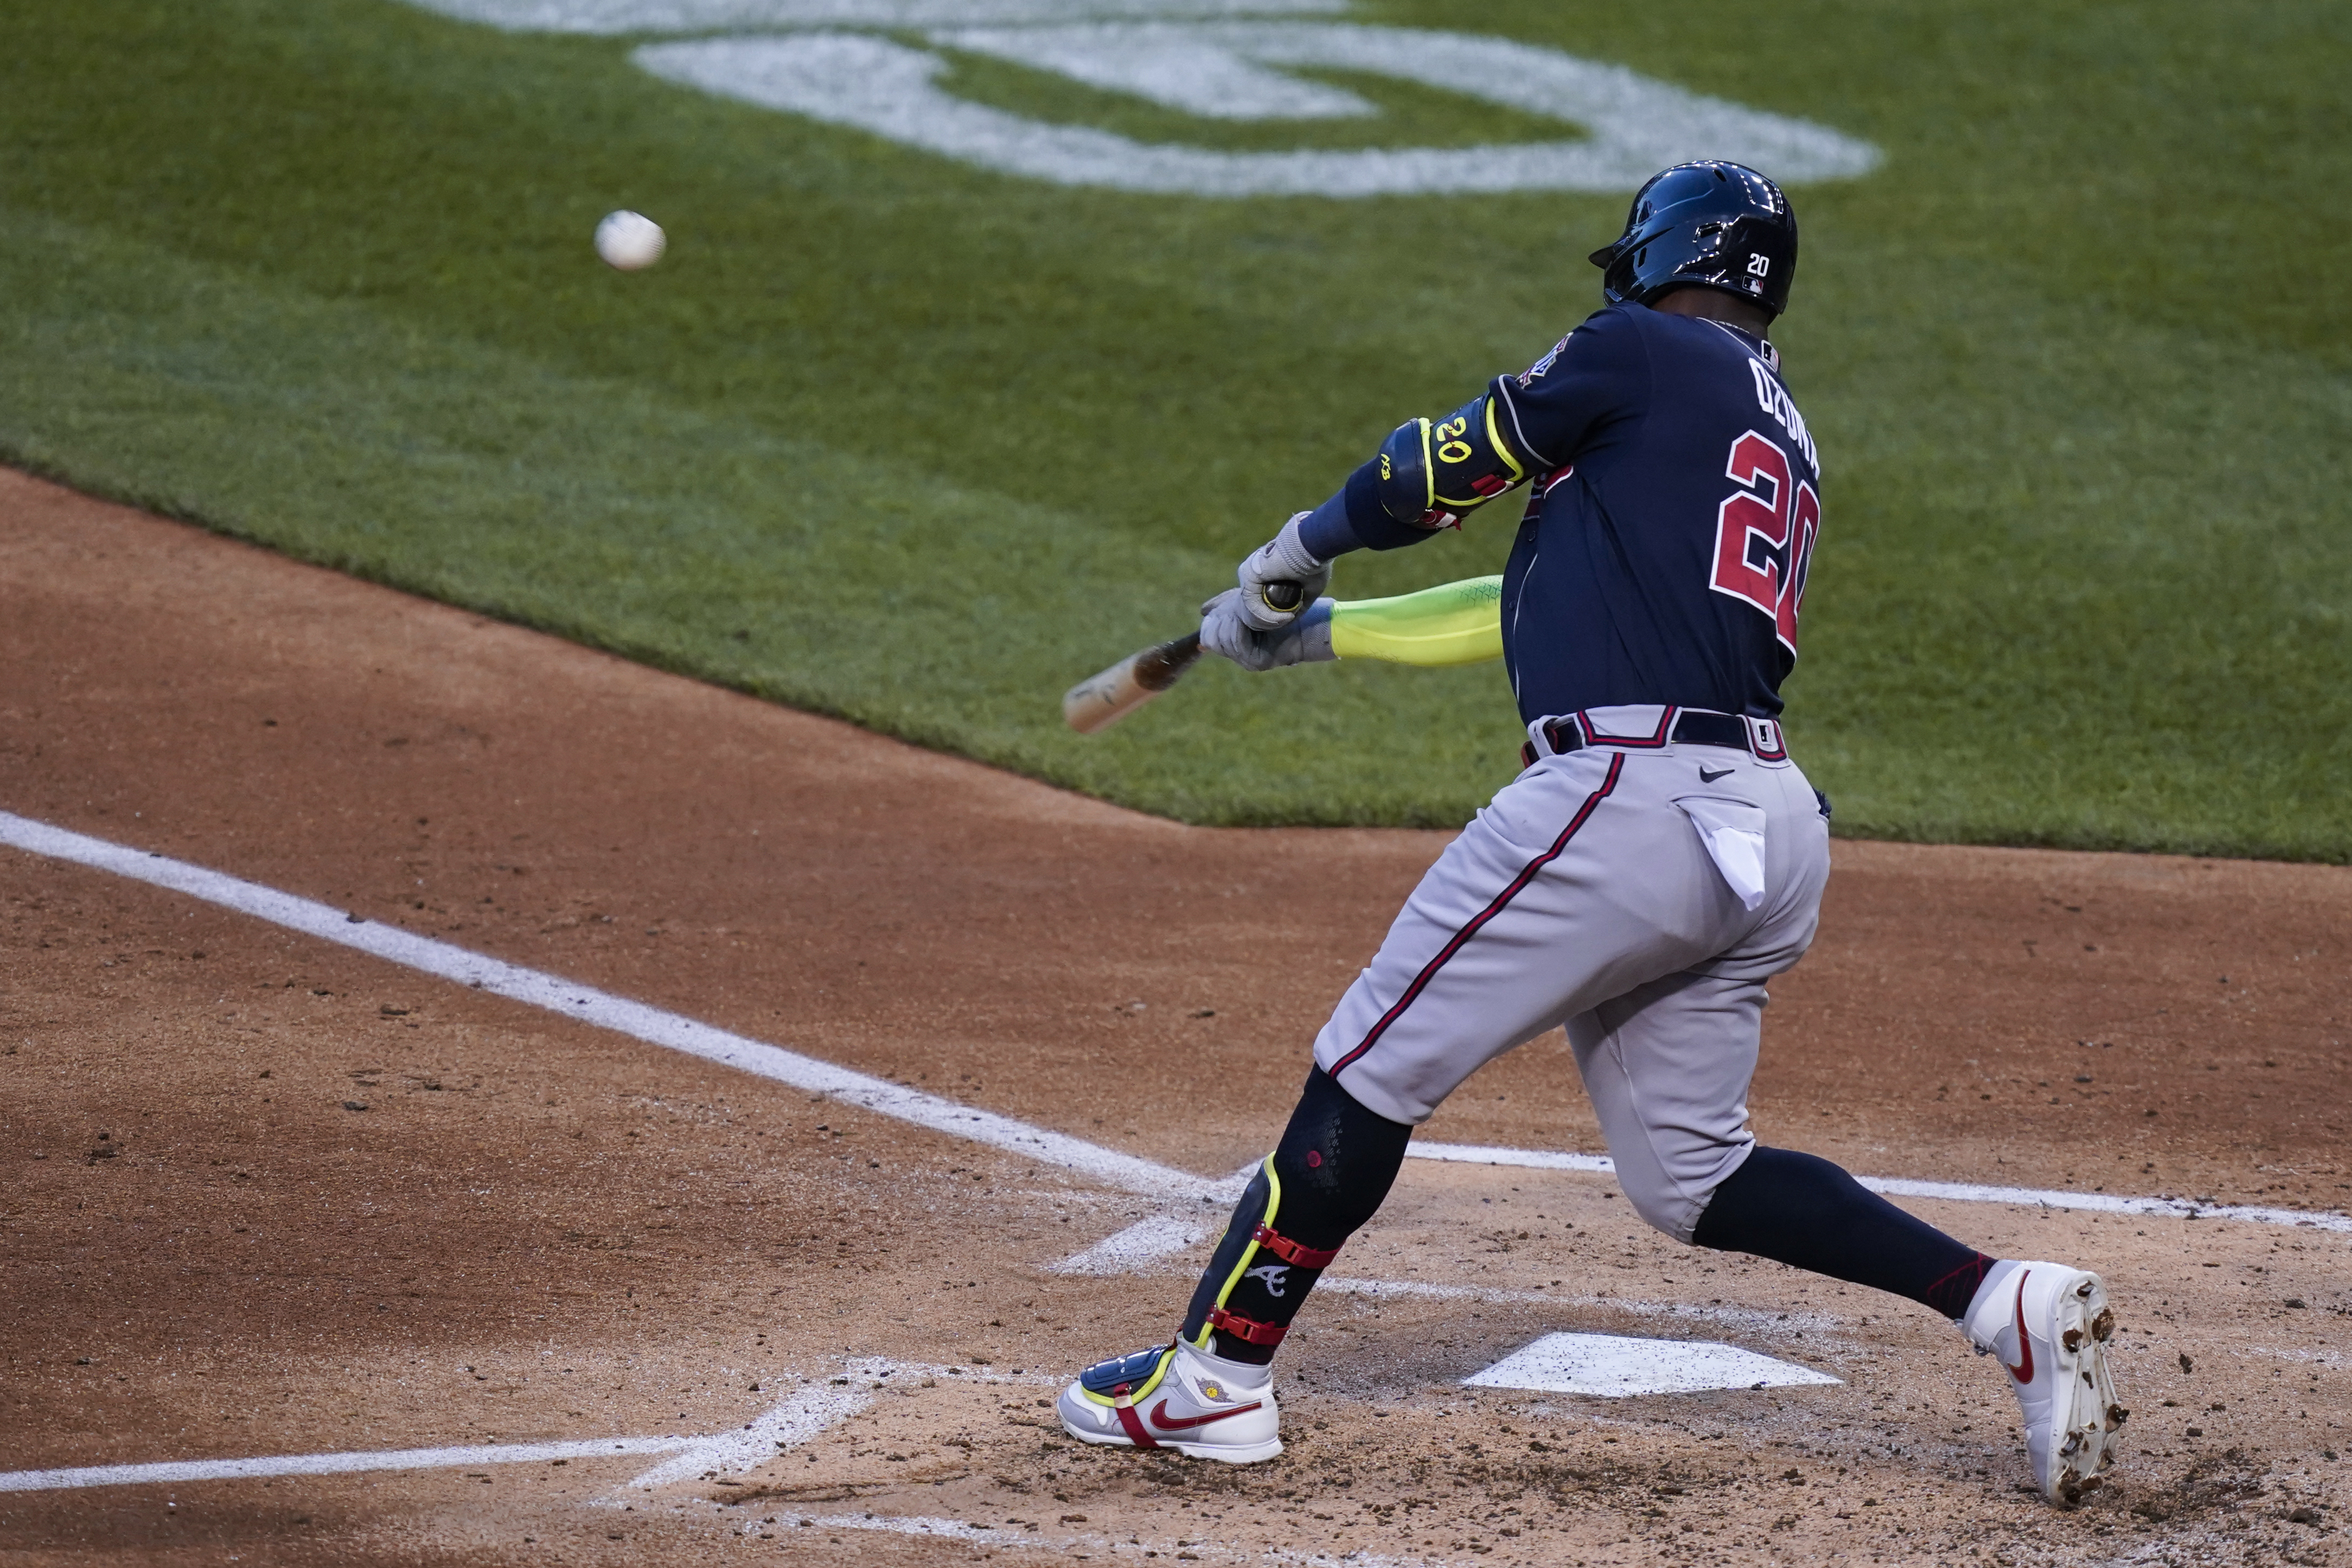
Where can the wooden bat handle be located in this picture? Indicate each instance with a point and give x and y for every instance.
(1156, 668)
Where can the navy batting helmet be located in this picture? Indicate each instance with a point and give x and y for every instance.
(1709, 224)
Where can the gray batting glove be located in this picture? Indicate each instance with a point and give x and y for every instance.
(1305, 640)
(1282, 558)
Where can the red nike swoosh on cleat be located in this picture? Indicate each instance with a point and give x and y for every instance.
(2024, 1372)
(1167, 1423)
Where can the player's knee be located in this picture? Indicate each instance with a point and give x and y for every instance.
(1337, 1161)
(1674, 1212)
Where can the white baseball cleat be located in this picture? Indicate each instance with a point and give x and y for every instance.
(1176, 1397)
(2049, 1325)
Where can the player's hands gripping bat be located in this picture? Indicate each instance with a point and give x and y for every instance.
(1304, 638)
(1455, 623)
(1279, 579)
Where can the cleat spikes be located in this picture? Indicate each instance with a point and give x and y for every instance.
(2049, 1325)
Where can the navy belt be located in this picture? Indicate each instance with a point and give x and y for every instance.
(1687, 726)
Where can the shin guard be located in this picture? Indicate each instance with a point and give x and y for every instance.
(1335, 1163)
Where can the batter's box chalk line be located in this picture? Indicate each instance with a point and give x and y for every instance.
(1011, 1533)
(1612, 1366)
(801, 1416)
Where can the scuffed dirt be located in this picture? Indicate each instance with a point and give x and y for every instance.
(534, 1231)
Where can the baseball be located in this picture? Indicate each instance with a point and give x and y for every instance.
(630, 241)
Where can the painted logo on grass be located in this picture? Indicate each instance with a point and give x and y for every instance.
(1219, 60)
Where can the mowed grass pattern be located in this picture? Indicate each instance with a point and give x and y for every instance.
(894, 439)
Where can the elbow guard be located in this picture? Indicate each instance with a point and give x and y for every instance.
(1433, 474)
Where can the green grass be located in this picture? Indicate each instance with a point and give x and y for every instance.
(890, 438)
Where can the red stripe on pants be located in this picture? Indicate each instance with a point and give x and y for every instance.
(1471, 928)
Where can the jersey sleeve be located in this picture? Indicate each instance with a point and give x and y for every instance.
(1431, 474)
(1594, 376)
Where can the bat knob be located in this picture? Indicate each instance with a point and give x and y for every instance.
(1284, 595)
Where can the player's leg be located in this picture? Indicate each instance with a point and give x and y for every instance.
(1323, 1182)
(1525, 912)
(1667, 1066)
(1208, 1393)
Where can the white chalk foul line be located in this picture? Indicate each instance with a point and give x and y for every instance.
(1950, 1192)
(802, 1414)
(181, 1470)
(586, 1003)
(676, 1033)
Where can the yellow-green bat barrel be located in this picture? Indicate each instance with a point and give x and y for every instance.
(1453, 623)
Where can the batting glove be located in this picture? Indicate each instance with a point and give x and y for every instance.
(1305, 640)
(1284, 559)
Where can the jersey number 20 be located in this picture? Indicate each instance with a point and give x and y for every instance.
(1764, 534)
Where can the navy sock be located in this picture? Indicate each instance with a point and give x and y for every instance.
(1335, 1163)
(1803, 1211)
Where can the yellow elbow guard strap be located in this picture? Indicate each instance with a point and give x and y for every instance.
(1456, 623)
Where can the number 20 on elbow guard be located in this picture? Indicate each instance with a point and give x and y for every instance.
(1454, 449)
(1764, 534)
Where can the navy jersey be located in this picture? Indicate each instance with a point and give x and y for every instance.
(1662, 555)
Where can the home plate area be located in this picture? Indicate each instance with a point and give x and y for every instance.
(1613, 1366)
(1515, 1370)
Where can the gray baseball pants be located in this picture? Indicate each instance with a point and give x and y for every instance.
(1639, 892)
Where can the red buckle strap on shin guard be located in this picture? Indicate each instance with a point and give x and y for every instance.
(1246, 1329)
(1290, 1251)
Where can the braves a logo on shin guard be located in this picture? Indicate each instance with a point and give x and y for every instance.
(1271, 1276)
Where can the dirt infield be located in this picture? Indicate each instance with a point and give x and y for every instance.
(269, 1196)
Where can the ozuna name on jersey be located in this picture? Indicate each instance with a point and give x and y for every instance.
(1772, 400)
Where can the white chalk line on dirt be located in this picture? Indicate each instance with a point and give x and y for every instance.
(586, 1003)
(674, 1031)
(802, 1416)
(1952, 1192)
(1749, 1319)
(805, 1414)
(175, 1471)
(997, 1535)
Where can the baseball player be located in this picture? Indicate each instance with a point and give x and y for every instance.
(1659, 859)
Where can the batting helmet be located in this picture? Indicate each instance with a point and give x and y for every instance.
(1712, 225)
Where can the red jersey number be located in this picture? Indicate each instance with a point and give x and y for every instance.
(1764, 534)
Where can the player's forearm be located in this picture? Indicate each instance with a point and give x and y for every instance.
(1453, 623)
(1352, 520)
(1428, 475)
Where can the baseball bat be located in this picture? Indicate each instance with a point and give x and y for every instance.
(1102, 700)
